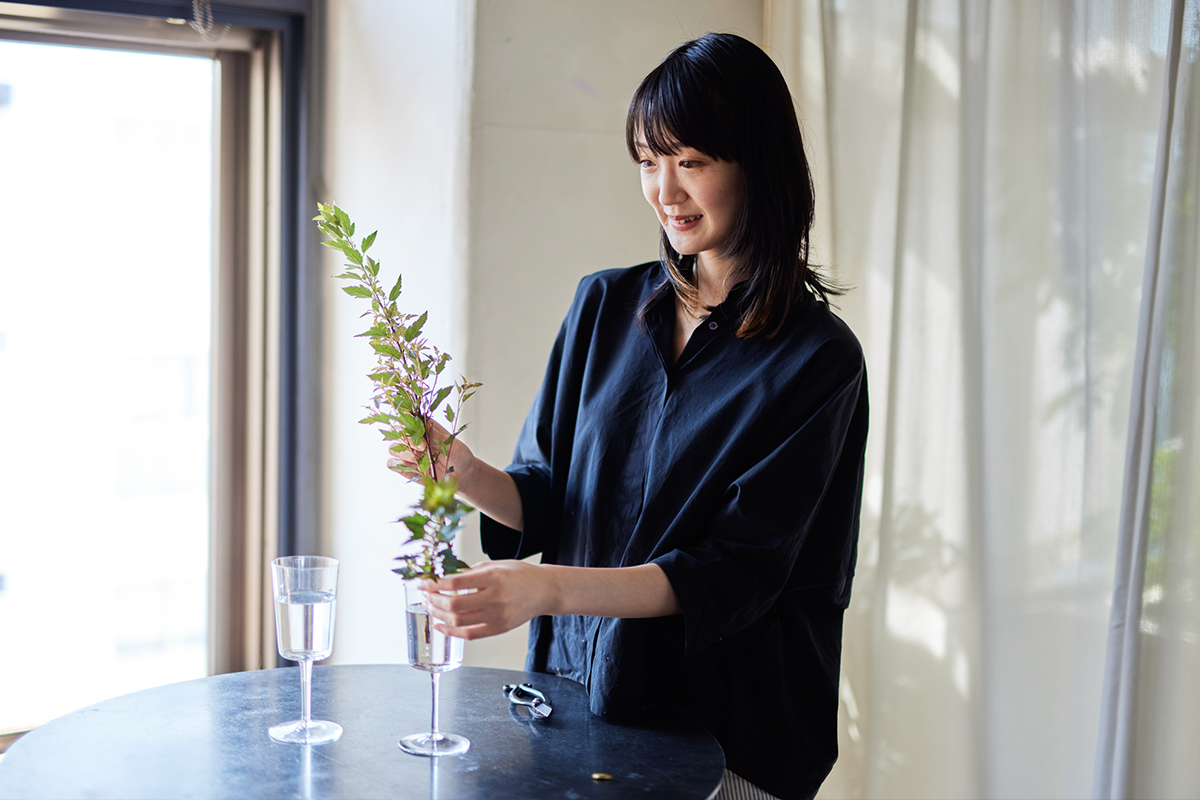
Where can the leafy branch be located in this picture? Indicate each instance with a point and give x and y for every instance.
(408, 390)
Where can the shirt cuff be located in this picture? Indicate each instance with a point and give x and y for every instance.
(680, 569)
(501, 541)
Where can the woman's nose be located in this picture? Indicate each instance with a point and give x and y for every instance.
(670, 190)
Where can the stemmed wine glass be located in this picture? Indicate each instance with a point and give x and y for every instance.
(434, 652)
(305, 589)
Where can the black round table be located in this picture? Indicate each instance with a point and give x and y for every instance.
(208, 738)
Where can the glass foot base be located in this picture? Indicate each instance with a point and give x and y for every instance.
(426, 744)
(317, 731)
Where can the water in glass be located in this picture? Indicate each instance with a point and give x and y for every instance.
(304, 625)
(428, 648)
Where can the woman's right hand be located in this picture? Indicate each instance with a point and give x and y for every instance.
(490, 490)
(458, 461)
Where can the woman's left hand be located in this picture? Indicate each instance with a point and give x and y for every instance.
(504, 594)
(500, 596)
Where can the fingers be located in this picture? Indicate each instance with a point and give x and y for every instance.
(470, 632)
(404, 452)
(406, 455)
(405, 468)
(464, 606)
(487, 600)
(404, 460)
(473, 623)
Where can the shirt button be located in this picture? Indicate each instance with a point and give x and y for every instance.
(712, 326)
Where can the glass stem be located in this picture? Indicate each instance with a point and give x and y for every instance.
(306, 693)
(433, 725)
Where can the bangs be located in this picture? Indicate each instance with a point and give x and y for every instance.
(678, 105)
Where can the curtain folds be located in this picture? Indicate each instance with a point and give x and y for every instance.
(987, 172)
(1149, 722)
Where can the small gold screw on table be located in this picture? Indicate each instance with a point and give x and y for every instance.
(601, 776)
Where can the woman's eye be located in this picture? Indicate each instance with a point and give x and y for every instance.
(645, 163)
(689, 164)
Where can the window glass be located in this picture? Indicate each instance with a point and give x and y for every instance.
(106, 181)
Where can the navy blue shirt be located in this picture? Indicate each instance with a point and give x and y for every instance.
(738, 470)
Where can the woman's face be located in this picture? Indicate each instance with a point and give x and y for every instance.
(697, 198)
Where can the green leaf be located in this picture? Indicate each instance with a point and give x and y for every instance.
(439, 494)
(334, 243)
(449, 413)
(395, 292)
(350, 252)
(357, 291)
(376, 332)
(423, 464)
(411, 332)
(409, 570)
(386, 350)
(342, 218)
(451, 563)
(441, 395)
(416, 524)
(370, 240)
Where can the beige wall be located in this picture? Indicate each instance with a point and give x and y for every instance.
(397, 85)
(493, 222)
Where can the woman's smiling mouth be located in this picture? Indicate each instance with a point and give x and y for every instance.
(684, 223)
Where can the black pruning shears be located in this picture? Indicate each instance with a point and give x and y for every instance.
(522, 694)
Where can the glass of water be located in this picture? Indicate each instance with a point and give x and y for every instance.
(305, 589)
(434, 652)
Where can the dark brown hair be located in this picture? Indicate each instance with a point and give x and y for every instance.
(723, 96)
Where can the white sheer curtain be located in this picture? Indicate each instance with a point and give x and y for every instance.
(986, 174)
(1151, 718)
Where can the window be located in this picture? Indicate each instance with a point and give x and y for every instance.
(149, 354)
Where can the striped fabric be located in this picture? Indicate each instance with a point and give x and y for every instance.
(735, 787)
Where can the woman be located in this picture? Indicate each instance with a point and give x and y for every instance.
(691, 470)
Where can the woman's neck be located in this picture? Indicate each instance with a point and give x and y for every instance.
(712, 275)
